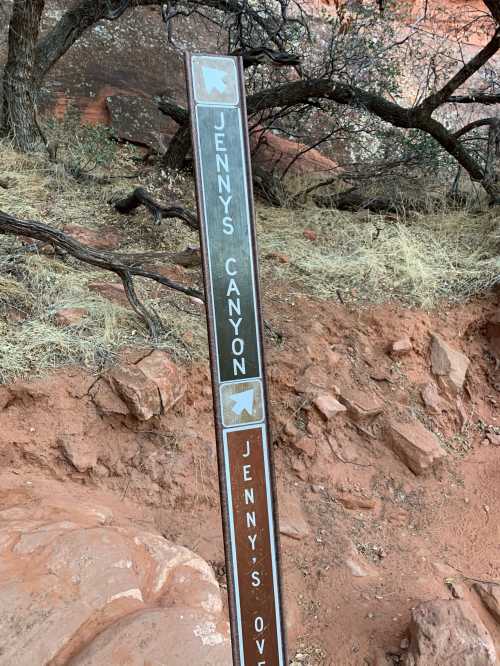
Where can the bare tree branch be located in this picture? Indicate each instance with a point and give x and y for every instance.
(172, 109)
(86, 13)
(431, 103)
(474, 124)
(477, 98)
(104, 260)
(140, 197)
(494, 7)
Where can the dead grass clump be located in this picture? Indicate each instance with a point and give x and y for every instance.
(368, 258)
(363, 257)
(33, 287)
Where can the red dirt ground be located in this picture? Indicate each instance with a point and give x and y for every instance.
(414, 537)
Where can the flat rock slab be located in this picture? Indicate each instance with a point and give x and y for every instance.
(292, 521)
(105, 238)
(417, 447)
(448, 364)
(360, 406)
(138, 120)
(329, 406)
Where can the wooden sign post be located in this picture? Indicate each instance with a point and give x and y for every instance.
(227, 230)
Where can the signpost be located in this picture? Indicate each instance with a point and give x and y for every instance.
(225, 206)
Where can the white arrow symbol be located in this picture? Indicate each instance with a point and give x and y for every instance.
(243, 402)
(214, 79)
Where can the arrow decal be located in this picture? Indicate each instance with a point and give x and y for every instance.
(243, 402)
(214, 79)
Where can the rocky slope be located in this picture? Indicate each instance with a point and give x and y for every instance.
(386, 430)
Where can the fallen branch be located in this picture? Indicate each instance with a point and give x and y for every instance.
(189, 257)
(354, 199)
(109, 261)
(140, 197)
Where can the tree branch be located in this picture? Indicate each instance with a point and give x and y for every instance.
(178, 148)
(473, 125)
(479, 98)
(172, 109)
(104, 260)
(140, 197)
(307, 91)
(299, 92)
(494, 7)
(432, 102)
(70, 27)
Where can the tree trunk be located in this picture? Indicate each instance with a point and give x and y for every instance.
(19, 89)
(492, 169)
(178, 149)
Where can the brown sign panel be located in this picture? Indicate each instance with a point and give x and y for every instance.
(227, 235)
(252, 539)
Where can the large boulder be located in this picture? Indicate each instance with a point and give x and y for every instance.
(451, 633)
(81, 585)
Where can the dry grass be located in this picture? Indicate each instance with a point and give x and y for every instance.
(365, 258)
(33, 287)
(450, 255)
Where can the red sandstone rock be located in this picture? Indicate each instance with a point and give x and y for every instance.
(80, 584)
(432, 400)
(278, 256)
(329, 406)
(401, 347)
(417, 447)
(490, 596)
(169, 380)
(137, 119)
(310, 234)
(149, 388)
(113, 291)
(106, 400)
(274, 152)
(354, 502)
(360, 406)
(448, 364)
(448, 632)
(81, 452)
(493, 438)
(138, 392)
(305, 445)
(292, 521)
(70, 316)
(314, 380)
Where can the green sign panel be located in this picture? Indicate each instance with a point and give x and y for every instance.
(225, 200)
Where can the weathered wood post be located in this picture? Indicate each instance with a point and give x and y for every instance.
(227, 230)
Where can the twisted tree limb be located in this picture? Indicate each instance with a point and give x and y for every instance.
(475, 98)
(180, 143)
(141, 197)
(122, 265)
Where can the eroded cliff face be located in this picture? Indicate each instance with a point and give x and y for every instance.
(441, 16)
(132, 55)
